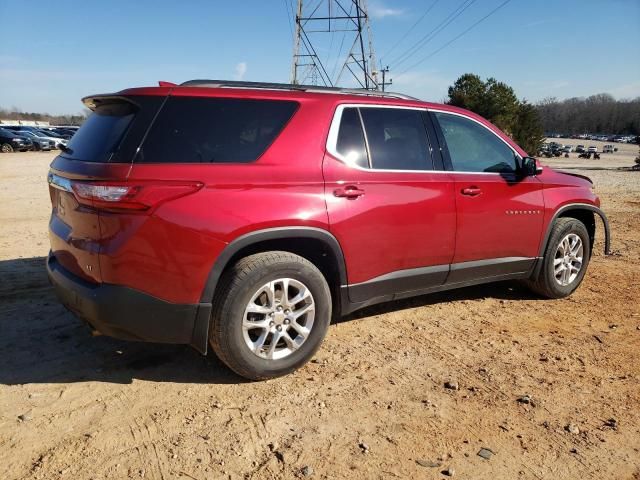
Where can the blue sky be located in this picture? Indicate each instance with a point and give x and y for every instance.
(53, 53)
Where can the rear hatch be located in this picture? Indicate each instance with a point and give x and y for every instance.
(90, 172)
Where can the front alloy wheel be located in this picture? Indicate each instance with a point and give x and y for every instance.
(565, 259)
(567, 262)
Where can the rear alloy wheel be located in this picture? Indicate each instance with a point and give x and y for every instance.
(278, 319)
(565, 260)
(6, 148)
(270, 314)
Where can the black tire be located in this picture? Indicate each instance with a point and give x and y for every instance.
(6, 148)
(545, 284)
(235, 290)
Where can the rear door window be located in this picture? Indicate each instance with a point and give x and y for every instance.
(351, 144)
(397, 139)
(214, 130)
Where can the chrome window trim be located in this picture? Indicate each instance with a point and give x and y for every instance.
(332, 139)
(59, 182)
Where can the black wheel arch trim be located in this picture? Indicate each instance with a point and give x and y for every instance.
(579, 206)
(201, 330)
(277, 233)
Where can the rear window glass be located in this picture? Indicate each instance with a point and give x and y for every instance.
(101, 134)
(350, 143)
(214, 130)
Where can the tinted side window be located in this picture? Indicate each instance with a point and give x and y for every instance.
(350, 143)
(473, 148)
(214, 130)
(397, 139)
(101, 133)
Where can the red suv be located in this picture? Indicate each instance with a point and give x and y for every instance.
(246, 215)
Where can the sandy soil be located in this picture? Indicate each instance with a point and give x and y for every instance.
(373, 404)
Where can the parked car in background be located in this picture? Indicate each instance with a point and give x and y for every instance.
(592, 149)
(51, 136)
(65, 133)
(10, 141)
(608, 149)
(580, 149)
(568, 149)
(39, 143)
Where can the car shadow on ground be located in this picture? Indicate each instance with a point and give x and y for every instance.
(41, 342)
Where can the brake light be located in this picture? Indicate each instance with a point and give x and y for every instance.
(138, 196)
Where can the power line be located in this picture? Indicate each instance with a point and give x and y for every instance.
(388, 52)
(333, 34)
(433, 33)
(456, 37)
(429, 36)
(289, 16)
(344, 34)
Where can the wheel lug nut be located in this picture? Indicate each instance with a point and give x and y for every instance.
(279, 327)
(286, 322)
(271, 324)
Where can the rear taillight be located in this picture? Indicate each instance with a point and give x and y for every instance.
(140, 196)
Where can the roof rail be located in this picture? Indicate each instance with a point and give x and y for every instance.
(290, 86)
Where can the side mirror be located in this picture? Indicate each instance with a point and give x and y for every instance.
(530, 167)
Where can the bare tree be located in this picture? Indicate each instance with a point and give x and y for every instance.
(599, 113)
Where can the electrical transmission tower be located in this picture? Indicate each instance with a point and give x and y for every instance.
(347, 18)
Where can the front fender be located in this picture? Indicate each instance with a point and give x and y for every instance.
(579, 206)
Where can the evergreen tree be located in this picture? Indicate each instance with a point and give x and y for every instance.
(528, 131)
(497, 102)
(469, 92)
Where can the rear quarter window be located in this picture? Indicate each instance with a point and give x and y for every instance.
(214, 130)
(113, 132)
(102, 132)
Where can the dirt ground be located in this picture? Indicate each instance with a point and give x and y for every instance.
(372, 404)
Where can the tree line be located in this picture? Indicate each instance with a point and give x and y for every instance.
(599, 113)
(527, 123)
(15, 114)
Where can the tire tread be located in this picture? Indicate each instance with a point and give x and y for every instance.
(232, 279)
(540, 284)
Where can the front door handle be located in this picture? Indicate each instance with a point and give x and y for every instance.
(471, 191)
(350, 191)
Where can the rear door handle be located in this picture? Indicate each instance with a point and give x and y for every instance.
(350, 191)
(471, 191)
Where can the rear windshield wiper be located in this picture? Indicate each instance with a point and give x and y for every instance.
(66, 149)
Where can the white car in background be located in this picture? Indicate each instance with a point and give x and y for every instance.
(592, 149)
(608, 149)
(57, 141)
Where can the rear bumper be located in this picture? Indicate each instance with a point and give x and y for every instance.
(128, 314)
